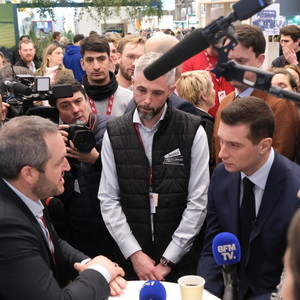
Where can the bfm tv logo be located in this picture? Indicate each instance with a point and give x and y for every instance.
(227, 251)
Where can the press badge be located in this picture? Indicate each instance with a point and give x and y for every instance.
(221, 95)
(76, 186)
(153, 197)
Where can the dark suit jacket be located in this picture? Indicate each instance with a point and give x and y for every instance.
(268, 237)
(27, 270)
(177, 102)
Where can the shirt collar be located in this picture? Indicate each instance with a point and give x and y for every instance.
(36, 207)
(245, 93)
(260, 177)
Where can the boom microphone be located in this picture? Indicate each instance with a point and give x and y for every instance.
(153, 290)
(227, 253)
(200, 39)
(17, 87)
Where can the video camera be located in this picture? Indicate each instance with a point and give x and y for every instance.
(24, 92)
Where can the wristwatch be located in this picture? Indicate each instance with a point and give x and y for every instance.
(166, 263)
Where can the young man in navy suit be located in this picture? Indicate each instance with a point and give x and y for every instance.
(245, 134)
(34, 262)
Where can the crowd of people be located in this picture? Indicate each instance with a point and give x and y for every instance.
(170, 164)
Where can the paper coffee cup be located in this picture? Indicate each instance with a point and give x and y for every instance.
(191, 287)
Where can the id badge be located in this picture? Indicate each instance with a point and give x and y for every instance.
(153, 197)
(76, 186)
(221, 95)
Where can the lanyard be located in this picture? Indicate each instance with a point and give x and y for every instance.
(108, 108)
(141, 141)
(210, 67)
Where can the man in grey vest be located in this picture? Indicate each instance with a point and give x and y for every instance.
(153, 188)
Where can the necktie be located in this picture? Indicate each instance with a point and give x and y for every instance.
(47, 235)
(247, 216)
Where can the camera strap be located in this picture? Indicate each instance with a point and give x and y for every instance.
(92, 121)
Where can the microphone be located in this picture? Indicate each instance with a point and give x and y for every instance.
(200, 39)
(153, 290)
(227, 253)
(17, 87)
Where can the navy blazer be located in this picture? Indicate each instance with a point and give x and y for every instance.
(27, 270)
(268, 237)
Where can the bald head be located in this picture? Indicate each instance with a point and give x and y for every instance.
(160, 42)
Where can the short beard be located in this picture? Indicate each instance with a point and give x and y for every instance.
(149, 116)
(124, 73)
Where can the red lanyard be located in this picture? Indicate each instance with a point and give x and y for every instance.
(141, 141)
(210, 67)
(108, 108)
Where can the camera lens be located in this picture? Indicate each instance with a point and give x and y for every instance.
(84, 141)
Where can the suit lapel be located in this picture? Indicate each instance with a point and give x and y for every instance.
(271, 196)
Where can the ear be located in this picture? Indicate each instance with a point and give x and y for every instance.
(203, 97)
(171, 90)
(118, 57)
(82, 64)
(260, 60)
(19, 52)
(30, 175)
(132, 80)
(265, 145)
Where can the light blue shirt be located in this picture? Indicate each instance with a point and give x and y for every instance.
(259, 178)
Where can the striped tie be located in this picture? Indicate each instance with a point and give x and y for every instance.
(47, 235)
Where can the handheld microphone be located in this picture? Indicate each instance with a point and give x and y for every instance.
(227, 253)
(200, 39)
(17, 87)
(153, 290)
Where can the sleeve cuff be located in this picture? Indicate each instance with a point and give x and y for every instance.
(174, 253)
(102, 271)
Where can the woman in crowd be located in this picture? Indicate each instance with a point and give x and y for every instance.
(284, 80)
(295, 71)
(198, 88)
(52, 65)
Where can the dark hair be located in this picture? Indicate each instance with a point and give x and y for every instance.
(55, 35)
(294, 247)
(77, 38)
(291, 30)
(95, 43)
(251, 36)
(250, 111)
(24, 36)
(76, 87)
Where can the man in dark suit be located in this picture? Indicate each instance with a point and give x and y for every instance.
(34, 262)
(245, 134)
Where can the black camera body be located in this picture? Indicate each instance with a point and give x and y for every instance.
(82, 137)
(22, 91)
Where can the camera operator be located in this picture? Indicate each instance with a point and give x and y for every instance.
(87, 229)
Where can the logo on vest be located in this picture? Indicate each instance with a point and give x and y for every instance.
(173, 158)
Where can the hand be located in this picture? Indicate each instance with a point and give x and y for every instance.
(144, 265)
(290, 55)
(117, 286)
(63, 132)
(5, 107)
(88, 158)
(113, 269)
(161, 272)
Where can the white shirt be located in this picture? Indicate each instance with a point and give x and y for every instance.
(194, 214)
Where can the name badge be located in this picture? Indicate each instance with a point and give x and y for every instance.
(153, 197)
(221, 95)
